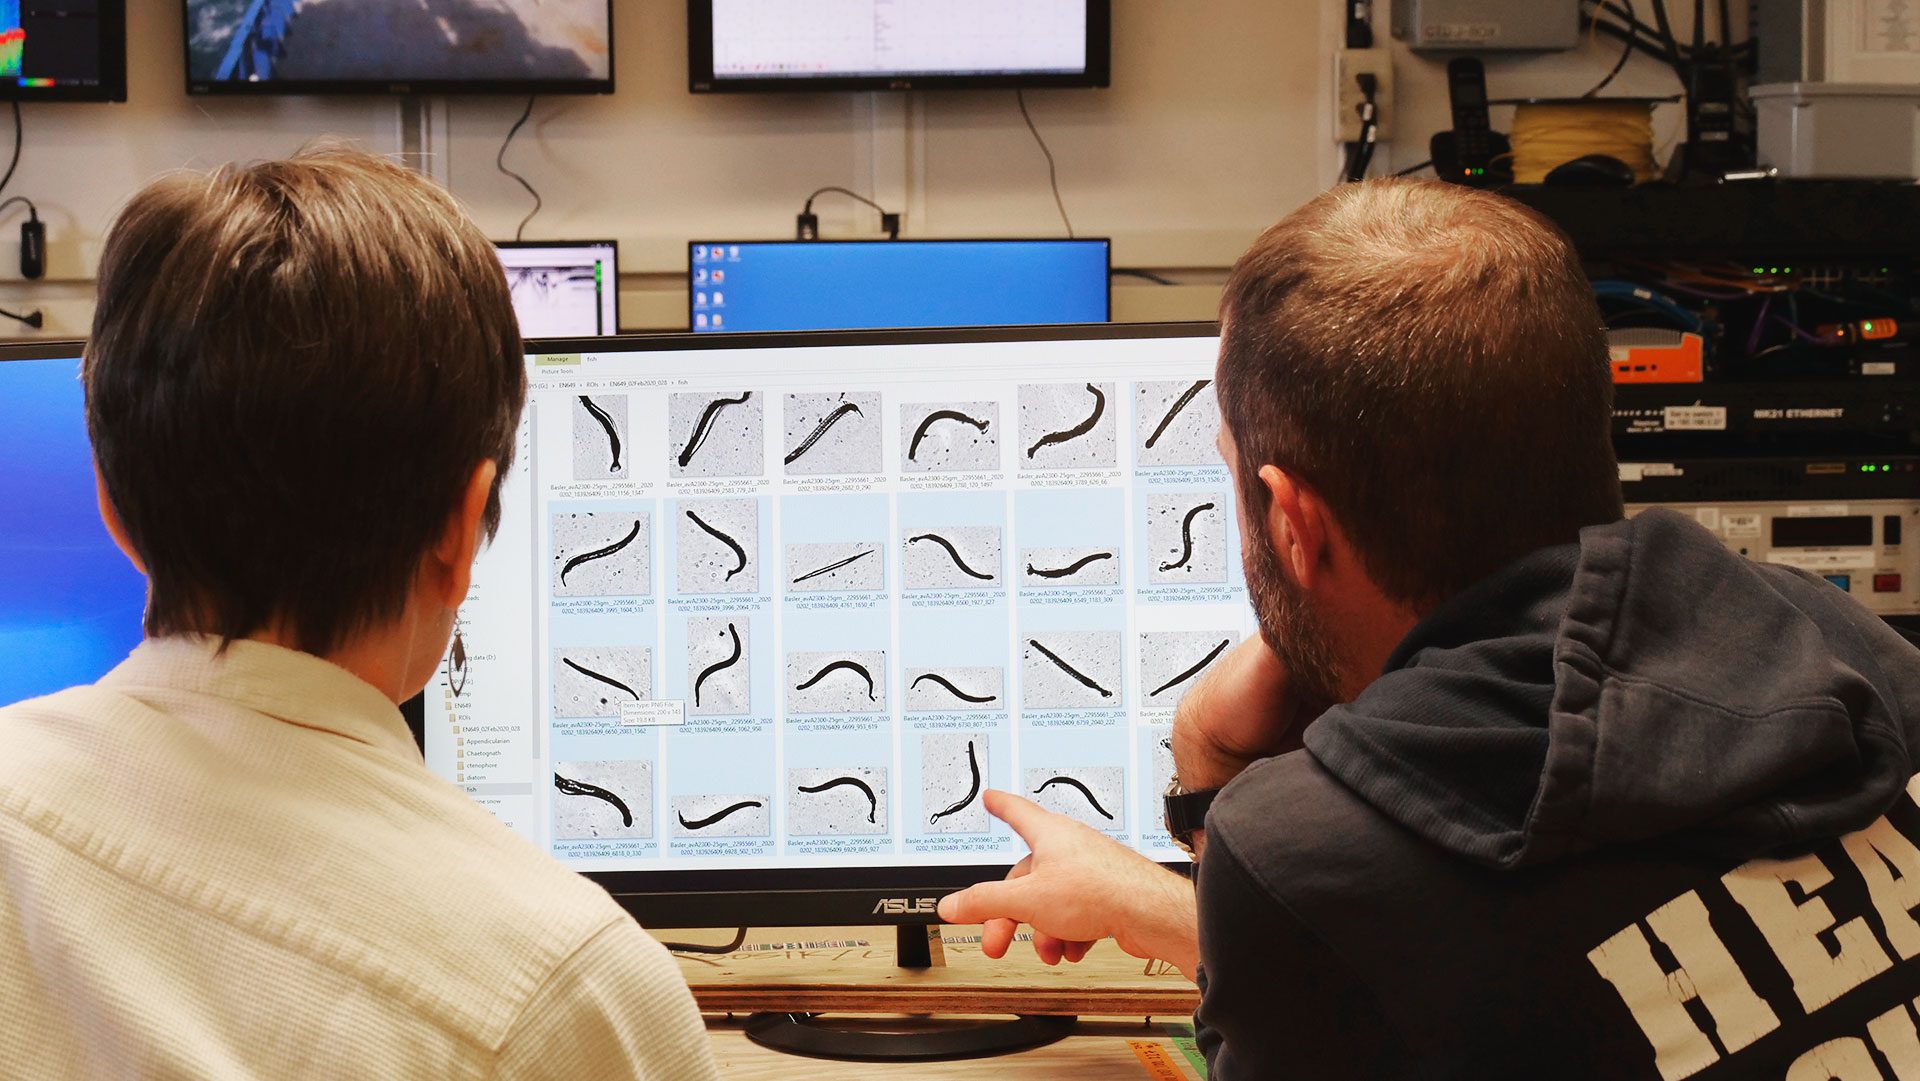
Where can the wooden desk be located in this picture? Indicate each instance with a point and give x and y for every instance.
(851, 971)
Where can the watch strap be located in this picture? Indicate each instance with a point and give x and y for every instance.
(1187, 811)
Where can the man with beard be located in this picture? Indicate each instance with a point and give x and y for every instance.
(1506, 786)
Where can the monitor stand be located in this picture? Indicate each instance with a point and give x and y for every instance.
(872, 1040)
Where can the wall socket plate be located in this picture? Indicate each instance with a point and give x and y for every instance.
(1348, 64)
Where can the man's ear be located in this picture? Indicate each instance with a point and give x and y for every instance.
(449, 566)
(1297, 525)
(110, 518)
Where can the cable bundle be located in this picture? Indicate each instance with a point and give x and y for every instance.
(1550, 134)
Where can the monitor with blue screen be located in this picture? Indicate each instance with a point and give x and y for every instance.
(890, 284)
(70, 602)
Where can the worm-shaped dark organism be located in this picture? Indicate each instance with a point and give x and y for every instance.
(954, 552)
(608, 680)
(581, 788)
(457, 665)
(705, 427)
(953, 690)
(703, 823)
(920, 433)
(1186, 538)
(1195, 670)
(1178, 404)
(831, 419)
(599, 553)
(606, 422)
(1070, 569)
(1084, 790)
(873, 802)
(739, 553)
(1069, 669)
(831, 567)
(1078, 430)
(717, 665)
(973, 791)
(838, 666)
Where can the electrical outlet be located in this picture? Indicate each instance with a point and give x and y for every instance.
(1348, 65)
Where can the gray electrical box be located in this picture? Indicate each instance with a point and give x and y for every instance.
(1487, 25)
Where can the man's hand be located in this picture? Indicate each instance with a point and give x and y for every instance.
(1238, 713)
(1076, 887)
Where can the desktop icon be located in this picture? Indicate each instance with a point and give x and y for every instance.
(700, 321)
(700, 276)
(719, 276)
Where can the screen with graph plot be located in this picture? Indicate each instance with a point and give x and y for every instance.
(792, 603)
(63, 50)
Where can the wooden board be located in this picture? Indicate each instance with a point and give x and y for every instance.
(843, 969)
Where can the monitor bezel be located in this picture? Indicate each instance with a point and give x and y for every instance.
(112, 86)
(816, 896)
(392, 87)
(614, 244)
(701, 79)
(1106, 242)
(43, 349)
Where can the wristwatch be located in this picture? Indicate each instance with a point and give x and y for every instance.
(1186, 812)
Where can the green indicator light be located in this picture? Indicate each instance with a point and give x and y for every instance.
(1787, 270)
(1759, 270)
(1867, 326)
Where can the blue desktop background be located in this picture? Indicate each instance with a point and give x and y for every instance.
(829, 285)
(70, 603)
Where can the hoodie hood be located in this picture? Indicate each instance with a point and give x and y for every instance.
(1643, 685)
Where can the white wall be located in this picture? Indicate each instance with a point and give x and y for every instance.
(1218, 122)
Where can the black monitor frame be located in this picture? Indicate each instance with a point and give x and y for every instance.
(1107, 241)
(572, 243)
(701, 79)
(814, 896)
(113, 66)
(391, 87)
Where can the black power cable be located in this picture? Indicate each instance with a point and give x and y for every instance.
(500, 163)
(1359, 23)
(808, 224)
(35, 318)
(1053, 174)
(1626, 53)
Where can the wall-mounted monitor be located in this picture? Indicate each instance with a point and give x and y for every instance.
(70, 602)
(563, 288)
(63, 50)
(766, 614)
(896, 44)
(390, 47)
(869, 284)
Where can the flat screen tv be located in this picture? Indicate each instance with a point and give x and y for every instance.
(896, 44)
(387, 46)
(63, 50)
(767, 613)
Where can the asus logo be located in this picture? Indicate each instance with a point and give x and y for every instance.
(906, 906)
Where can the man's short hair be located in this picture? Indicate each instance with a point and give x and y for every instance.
(1429, 359)
(295, 368)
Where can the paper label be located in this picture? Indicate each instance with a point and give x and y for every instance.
(1696, 418)
(1741, 524)
(1850, 559)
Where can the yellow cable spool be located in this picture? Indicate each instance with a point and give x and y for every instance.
(1548, 134)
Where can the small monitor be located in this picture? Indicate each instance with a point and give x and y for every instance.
(390, 47)
(70, 602)
(564, 288)
(877, 284)
(766, 614)
(63, 50)
(896, 44)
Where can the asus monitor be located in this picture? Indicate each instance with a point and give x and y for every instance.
(767, 614)
(735, 45)
(876, 284)
(70, 602)
(382, 47)
(563, 289)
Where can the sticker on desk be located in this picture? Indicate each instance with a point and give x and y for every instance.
(1182, 1036)
(1158, 1062)
(1741, 523)
(1696, 418)
(653, 713)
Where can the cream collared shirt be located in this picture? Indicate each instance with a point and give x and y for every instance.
(236, 866)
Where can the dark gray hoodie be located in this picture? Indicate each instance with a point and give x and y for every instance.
(1633, 807)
